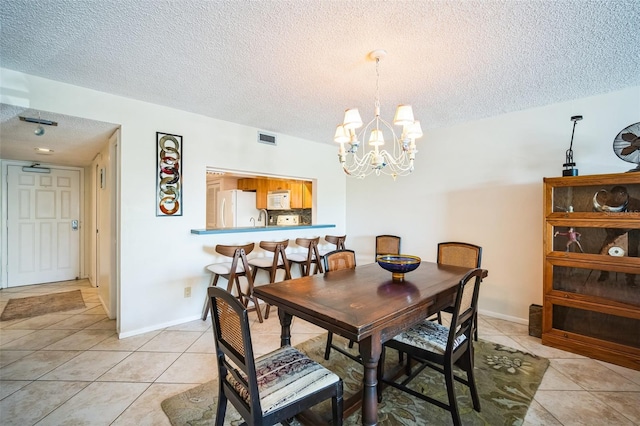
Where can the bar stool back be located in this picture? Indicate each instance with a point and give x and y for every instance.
(271, 264)
(305, 260)
(232, 271)
(336, 240)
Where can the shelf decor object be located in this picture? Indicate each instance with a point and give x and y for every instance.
(356, 161)
(626, 145)
(591, 279)
(398, 264)
(568, 163)
(168, 175)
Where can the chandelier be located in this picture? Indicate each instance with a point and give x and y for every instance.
(356, 161)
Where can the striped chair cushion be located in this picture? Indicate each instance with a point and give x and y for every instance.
(428, 335)
(284, 376)
(225, 268)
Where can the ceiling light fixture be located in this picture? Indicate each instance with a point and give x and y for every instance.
(358, 162)
(39, 131)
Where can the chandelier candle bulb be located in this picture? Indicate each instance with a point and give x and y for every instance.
(356, 161)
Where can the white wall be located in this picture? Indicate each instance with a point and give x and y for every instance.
(481, 182)
(159, 256)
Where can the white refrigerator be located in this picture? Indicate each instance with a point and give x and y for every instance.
(236, 208)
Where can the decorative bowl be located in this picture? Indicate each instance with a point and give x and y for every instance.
(398, 264)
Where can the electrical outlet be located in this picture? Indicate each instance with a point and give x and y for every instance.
(187, 292)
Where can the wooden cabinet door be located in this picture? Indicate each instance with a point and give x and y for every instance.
(262, 188)
(279, 185)
(296, 194)
(307, 198)
(245, 184)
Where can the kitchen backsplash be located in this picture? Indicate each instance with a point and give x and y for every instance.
(304, 215)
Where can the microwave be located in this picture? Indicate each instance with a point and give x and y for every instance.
(279, 200)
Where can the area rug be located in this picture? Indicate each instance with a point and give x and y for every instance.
(507, 380)
(33, 306)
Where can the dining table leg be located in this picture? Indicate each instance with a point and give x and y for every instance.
(370, 349)
(285, 323)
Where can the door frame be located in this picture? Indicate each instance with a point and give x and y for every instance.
(4, 276)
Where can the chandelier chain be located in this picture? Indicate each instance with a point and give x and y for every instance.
(377, 101)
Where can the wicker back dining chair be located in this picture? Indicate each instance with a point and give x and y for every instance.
(460, 254)
(272, 388)
(440, 348)
(339, 259)
(335, 261)
(387, 244)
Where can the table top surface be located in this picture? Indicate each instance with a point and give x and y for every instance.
(359, 302)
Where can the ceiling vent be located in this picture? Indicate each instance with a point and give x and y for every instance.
(267, 138)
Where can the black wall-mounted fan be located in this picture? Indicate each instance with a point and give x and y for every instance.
(626, 145)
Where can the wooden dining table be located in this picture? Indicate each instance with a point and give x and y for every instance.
(363, 305)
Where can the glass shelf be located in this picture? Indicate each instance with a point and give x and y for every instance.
(616, 286)
(611, 199)
(606, 327)
(615, 242)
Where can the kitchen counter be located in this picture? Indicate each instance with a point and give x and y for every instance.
(257, 229)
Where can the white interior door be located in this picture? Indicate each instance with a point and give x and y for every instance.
(43, 226)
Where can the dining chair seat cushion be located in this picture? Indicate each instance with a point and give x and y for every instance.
(298, 257)
(224, 268)
(284, 376)
(429, 336)
(264, 262)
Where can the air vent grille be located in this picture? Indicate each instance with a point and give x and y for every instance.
(267, 138)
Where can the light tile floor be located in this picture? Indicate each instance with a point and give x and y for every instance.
(71, 368)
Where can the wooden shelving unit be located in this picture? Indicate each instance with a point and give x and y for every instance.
(592, 285)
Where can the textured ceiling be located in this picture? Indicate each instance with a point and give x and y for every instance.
(292, 67)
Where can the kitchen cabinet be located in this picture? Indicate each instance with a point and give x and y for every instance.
(591, 266)
(307, 198)
(300, 191)
(296, 194)
(260, 186)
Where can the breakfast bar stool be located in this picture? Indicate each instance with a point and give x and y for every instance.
(232, 271)
(336, 240)
(271, 264)
(311, 257)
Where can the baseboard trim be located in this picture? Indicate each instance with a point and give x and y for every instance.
(158, 327)
(504, 317)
